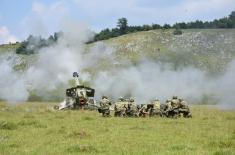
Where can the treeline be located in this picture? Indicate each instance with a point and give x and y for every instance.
(123, 28)
(33, 43)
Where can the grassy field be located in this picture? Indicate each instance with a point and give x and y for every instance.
(34, 128)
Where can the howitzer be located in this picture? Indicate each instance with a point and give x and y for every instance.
(79, 97)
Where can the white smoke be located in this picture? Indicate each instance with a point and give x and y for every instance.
(225, 87)
(54, 65)
(12, 84)
(112, 77)
(150, 80)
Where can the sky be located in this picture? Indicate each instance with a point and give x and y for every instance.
(19, 18)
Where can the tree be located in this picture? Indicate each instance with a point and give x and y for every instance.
(166, 26)
(182, 25)
(232, 15)
(147, 27)
(156, 26)
(122, 24)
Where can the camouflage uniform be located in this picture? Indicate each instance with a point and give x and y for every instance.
(143, 112)
(104, 106)
(174, 110)
(168, 106)
(171, 107)
(132, 109)
(175, 102)
(155, 109)
(120, 107)
(163, 108)
(184, 109)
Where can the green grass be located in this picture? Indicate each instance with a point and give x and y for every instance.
(34, 128)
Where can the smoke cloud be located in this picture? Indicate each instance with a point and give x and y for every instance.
(145, 81)
(151, 80)
(53, 66)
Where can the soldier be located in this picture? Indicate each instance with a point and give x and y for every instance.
(169, 109)
(143, 112)
(104, 106)
(132, 108)
(155, 108)
(168, 106)
(174, 102)
(179, 106)
(163, 108)
(184, 108)
(82, 97)
(120, 107)
(174, 111)
(80, 94)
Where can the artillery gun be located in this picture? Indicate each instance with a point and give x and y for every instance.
(79, 97)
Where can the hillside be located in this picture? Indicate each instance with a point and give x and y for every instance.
(207, 49)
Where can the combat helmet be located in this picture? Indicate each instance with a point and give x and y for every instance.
(104, 97)
(174, 97)
(168, 100)
(120, 98)
(132, 100)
